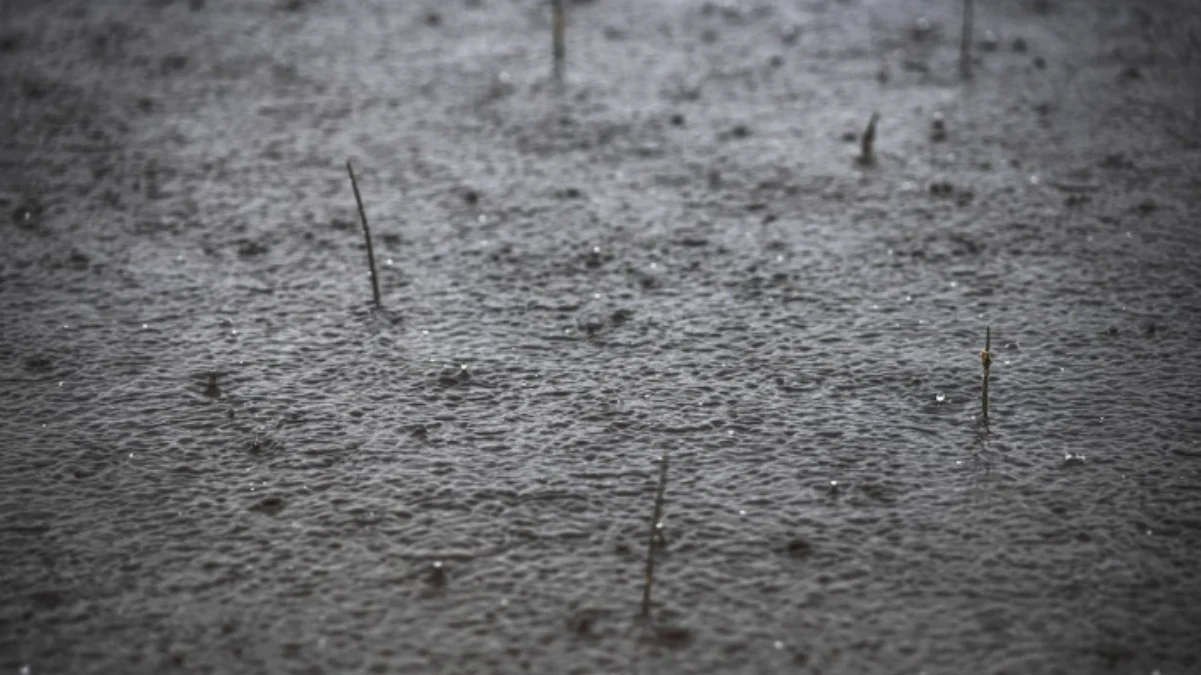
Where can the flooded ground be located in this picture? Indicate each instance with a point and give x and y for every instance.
(218, 459)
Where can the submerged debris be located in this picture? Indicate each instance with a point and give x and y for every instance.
(211, 389)
(938, 128)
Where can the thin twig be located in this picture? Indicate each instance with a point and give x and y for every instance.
(867, 146)
(656, 518)
(366, 235)
(965, 40)
(558, 41)
(985, 363)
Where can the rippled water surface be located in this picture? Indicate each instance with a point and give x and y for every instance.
(219, 458)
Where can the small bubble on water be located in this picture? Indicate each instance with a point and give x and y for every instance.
(145, 326)
(940, 397)
(1034, 179)
(388, 262)
(778, 645)
(741, 512)
(483, 219)
(25, 669)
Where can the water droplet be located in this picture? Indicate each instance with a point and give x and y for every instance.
(25, 669)
(388, 262)
(145, 326)
(483, 219)
(741, 512)
(940, 397)
(1034, 179)
(778, 645)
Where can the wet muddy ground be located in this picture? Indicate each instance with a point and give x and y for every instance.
(218, 458)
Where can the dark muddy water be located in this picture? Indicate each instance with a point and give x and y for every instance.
(217, 458)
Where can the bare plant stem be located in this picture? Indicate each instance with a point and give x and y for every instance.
(656, 518)
(558, 41)
(965, 39)
(985, 363)
(366, 235)
(867, 146)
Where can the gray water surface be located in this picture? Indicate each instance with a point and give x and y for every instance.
(675, 253)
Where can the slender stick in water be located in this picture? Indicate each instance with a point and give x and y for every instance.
(366, 234)
(986, 363)
(558, 42)
(867, 145)
(965, 40)
(656, 518)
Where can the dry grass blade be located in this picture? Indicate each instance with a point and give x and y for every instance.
(965, 39)
(656, 518)
(985, 363)
(366, 234)
(558, 40)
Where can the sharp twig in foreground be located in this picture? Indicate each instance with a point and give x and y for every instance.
(985, 363)
(366, 235)
(656, 519)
